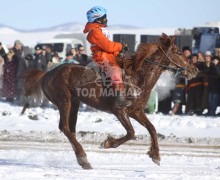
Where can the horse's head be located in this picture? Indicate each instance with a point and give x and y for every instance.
(177, 61)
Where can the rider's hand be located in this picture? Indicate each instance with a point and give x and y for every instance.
(125, 47)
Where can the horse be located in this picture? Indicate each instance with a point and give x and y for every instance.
(69, 84)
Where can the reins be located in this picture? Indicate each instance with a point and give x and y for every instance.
(123, 57)
(177, 69)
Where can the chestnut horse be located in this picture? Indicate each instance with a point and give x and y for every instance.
(69, 84)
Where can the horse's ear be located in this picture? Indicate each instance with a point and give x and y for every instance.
(164, 39)
(172, 40)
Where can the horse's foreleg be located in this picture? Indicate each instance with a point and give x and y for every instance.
(154, 147)
(65, 111)
(123, 117)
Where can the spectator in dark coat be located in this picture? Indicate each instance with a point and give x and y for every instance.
(214, 86)
(49, 53)
(18, 50)
(9, 80)
(204, 71)
(40, 61)
(29, 60)
(81, 56)
(195, 88)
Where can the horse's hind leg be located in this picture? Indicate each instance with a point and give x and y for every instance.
(26, 105)
(67, 110)
(154, 147)
(73, 116)
(125, 121)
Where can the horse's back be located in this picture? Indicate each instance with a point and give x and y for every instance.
(59, 79)
(65, 79)
(62, 72)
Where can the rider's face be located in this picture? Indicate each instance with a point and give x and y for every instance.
(104, 20)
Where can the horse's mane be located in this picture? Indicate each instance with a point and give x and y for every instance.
(144, 50)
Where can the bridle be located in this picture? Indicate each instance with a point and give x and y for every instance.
(177, 69)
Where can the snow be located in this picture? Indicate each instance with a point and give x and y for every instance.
(36, 149)
(6, 30)
(28, 39)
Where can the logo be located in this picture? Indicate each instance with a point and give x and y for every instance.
(102, 75)
(95, 15)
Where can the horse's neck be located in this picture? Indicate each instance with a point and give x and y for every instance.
(154, 76)
(149, 71)
(150, 74)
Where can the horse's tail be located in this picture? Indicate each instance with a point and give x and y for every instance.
(32, 80)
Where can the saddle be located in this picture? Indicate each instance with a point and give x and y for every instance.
(122, 60)
(125, 61)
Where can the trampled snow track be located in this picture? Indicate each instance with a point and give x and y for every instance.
(165, 149)
(54, 159)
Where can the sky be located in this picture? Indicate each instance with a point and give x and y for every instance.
(32, 14)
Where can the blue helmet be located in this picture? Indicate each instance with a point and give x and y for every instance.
(95, 13)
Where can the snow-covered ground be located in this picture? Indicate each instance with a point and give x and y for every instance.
(36, 149)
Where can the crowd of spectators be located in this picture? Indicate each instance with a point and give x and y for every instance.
(20, 58)
(196, 95)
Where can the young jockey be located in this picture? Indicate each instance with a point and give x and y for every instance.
(105, 51)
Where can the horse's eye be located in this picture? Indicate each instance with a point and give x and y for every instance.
(178, 52)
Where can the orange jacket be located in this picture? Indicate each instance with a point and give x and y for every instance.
(100, 42)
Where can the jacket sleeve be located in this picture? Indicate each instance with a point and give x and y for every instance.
(97, 38)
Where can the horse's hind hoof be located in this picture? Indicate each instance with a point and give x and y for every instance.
(87, 166)
(108, 143)
(156, 161)
(83, 162)
(105, 144)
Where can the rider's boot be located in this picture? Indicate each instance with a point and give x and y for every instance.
(120, 100)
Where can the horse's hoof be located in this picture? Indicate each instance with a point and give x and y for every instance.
(107, 143)
(102, 145)
(156, 161)
(87, 166)
(83, 162)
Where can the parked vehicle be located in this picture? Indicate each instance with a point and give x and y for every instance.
(61, 46)
(76, 36)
